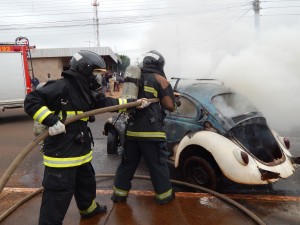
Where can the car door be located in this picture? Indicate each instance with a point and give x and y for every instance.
(183, 120)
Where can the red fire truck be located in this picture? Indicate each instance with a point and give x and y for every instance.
(15, 73)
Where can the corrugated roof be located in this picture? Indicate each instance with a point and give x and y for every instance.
(69, 52)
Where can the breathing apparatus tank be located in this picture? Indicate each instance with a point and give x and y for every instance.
(130, 88)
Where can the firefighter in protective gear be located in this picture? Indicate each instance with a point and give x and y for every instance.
(67, 152)
(145, 136)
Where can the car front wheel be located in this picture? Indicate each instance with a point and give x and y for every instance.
(198, 171)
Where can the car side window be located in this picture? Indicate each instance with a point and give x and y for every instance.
(187, 109)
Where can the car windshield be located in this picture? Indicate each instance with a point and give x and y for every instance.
(233, 104)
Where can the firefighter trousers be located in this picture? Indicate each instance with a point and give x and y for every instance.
(60, 184)
(155, 155)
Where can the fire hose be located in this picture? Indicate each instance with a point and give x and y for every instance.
(21, 156)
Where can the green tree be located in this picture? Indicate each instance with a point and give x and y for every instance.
(125, 62)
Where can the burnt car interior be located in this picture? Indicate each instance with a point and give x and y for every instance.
(187, 109)
(250, 130)
(256, 137)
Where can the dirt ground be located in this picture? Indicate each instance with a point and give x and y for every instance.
(9, 197)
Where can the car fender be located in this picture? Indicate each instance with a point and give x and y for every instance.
(280, 141)
(228, 163)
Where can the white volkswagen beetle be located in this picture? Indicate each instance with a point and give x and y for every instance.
(217, 132)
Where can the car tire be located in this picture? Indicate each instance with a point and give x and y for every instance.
(112, 141)
(199, 171)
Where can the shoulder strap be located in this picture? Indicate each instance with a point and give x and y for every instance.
(64, 100)
(136, 81)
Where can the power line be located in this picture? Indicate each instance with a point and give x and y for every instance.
(46, 22)
(280, 7)
(282, 1)
(109, 21)
(213, 36)
(286, 14)
(182, 11)
(120, 20)
(130, 10)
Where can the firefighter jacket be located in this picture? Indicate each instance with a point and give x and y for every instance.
(58, 100)
(147, 124)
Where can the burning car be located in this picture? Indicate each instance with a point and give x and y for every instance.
(217, 132)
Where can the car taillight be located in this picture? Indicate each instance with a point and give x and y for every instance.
(287, 143)
(241, 157)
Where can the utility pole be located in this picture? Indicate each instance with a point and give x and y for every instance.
(256, 8)
(96, 22)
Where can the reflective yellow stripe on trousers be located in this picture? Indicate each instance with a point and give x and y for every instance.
(164, 195)
(119, 192)
(67, 162)
(90, 209)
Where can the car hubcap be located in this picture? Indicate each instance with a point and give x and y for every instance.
(200, 176)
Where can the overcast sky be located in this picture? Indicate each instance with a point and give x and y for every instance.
(132, 27)
(199, 39)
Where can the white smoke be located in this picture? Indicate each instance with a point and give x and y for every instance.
(268, 73)
(265, 69)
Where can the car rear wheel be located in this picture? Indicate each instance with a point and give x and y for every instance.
(199, 171)
(112, 141)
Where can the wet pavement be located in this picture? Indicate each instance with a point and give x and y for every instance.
(186, 208)
(274, 204)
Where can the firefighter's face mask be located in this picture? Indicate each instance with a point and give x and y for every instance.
(96, 82)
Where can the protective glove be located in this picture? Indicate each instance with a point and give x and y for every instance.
(144, 104)
(38, 128)
(57, 128)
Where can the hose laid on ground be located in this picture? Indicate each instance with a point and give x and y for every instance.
(255, 218)
(21, 156)
(250, 214)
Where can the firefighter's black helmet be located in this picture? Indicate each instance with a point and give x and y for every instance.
(154, 62)
(85, 62)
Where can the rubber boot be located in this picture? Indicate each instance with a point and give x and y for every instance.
(98, 210)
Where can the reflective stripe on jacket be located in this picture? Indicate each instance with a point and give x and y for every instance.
(146, 134)
(43, 112)
(147, 123)
(67, 162)
(122, 101)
